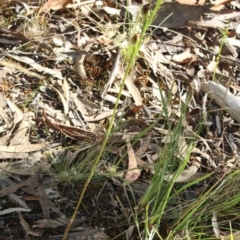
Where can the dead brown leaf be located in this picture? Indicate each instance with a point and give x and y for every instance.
(16, 209)
(35, 232)
(144, 145)
(31, 182)
(8, 36)
(42, 196)
(54, 223)
(83, 110)
(133, 91)
(27, 148)
(54, 5)
(70, 131)
(186, 175)
(64, 102)
(16, 169)
(21, 136)
(114, 72)
(184, 57)
(133, 172)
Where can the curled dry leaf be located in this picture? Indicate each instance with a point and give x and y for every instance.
(112, 99)
(21, 136)
(4, 183)
(82, 109)
(113, 74)
(98, 117)
(133, 91)
(133, 172)
(73, 132)
(56, 114)
(184, 57)
(18, 114)
(64, 102)
(27, 228)
(186, 175)
(17, 209)
(183, 148)
(80, 60)
(66, 90)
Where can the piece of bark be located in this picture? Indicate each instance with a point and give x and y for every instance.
(223, 98)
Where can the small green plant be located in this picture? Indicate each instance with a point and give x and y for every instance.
(223, 42)
(130, 62)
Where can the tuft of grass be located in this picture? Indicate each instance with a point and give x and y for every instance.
(160, 193)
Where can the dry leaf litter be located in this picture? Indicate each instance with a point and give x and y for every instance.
(61, 70)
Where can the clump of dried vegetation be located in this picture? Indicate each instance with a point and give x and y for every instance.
(119, 120)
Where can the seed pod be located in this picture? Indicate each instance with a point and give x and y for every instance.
(135, 38)
(146, 9)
